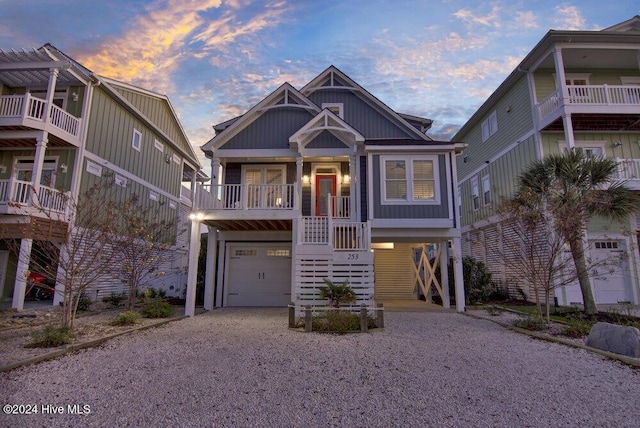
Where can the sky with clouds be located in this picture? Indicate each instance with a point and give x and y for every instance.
(215, 59)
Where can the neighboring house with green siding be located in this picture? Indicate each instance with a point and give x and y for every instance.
(574, 89)
(62, 127)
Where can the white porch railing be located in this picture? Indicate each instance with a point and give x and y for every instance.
(350, 236)
(249, 197)
(20, 192)
(341, 206)
(29, 107)
(591, 95)
(628, 169)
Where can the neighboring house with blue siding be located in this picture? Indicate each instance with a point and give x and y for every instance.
(574, 89)
(327, 182)
(61, 127)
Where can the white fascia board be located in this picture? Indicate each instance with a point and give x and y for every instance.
(414, 149)
(411, 234)
(255, 154)
(327, 152)
(411, 223)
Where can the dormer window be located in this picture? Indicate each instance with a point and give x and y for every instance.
(335, 108)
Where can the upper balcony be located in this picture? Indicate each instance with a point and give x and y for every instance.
(32, 112)
(18, 197)
(602, 99)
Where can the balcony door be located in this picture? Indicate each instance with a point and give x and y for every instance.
(325, 185)
(264, 185)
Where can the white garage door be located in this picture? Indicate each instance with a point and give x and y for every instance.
(258, 274)
(610, 282)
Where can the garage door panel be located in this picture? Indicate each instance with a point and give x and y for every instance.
(259, 274)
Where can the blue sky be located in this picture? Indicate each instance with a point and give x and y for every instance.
(216, 58)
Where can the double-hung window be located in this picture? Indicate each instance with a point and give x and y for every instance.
(486, 190)
(475, 194)
(409, 179)
(489, 126)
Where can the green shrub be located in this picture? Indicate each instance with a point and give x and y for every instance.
(532, 322)
(157, 309)
(162, 293)
(52, 336)
(115, 299)
(336, 322)
(150, 293)
(577, 328)
(478, 284)
(126, 318)
(337, 294)
(84, 303)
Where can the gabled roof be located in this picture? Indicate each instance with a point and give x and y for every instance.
(285, 96)
(326, 120)
(115, 89)
(632, 24)
(333, 78)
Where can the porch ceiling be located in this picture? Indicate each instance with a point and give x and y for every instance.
(28, 142)
(599, 122)
(250, 225)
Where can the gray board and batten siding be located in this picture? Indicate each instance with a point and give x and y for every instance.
(110, 135)
(361, 115)
(405, 211)
(271, 130)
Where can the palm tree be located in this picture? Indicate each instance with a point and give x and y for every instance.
(574, 186)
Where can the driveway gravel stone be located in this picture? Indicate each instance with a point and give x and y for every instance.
(243, 367)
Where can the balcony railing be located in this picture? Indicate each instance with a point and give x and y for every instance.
(591, 95)
(20, 193)
(29, 107)
(248, 197)
(341, 206)
(628, 169)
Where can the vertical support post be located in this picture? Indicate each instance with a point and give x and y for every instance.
(192, 276)
(458, 275)
(22, 268)
(364, 323)
(292, 315)
(568, 131)
(307, 319)
(297, 203)
(331, 235)
(380, 315)
(51, 90)
(220, 277)
(38, 162)
(561, 81)
(210, 270)
(444, 273)
(352, 187)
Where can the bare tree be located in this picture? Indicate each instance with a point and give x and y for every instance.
(145, 235)
(73, 256)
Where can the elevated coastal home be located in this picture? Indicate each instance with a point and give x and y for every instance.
(61, 126)
(574, 89)
(326, 181)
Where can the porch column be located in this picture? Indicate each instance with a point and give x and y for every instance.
(560, 76)
(38, 162)
(215, 170)
(192, 275)
(22, 267)
(210, 271)
(297, 203)
(568, 131)
(220, 279)
(458, 275)
(51, 90)
(444, 273)
(352, 187)
(58, 295)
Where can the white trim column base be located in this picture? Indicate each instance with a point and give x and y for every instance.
(22, 267)
(192, 276)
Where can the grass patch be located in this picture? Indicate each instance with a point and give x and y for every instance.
(531, 322)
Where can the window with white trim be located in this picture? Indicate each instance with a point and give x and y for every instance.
(489, 126)
(136, 140)
(409, 179)
(486, 190)
(475, 194)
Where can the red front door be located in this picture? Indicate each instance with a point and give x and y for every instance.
(325, 184)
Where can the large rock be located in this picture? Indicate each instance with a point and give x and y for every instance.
(615, 338)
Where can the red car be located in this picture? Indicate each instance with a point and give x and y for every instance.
(38, 288)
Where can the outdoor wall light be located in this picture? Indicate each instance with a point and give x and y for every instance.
(196, 216)
(63, 168)
(617, 144)
(305, 179)
(3, 169)
(346, 179)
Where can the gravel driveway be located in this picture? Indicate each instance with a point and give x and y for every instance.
(242, 367)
